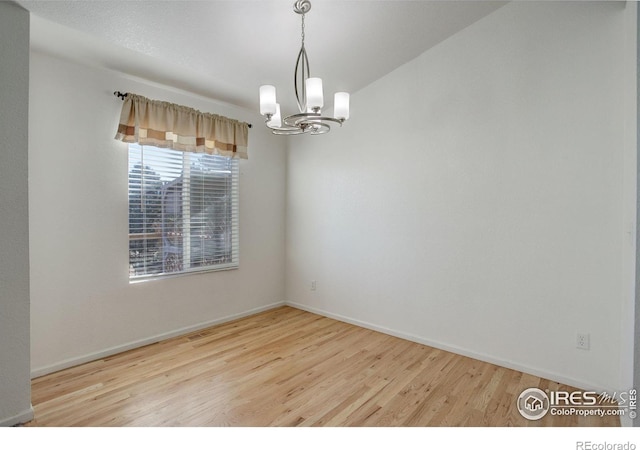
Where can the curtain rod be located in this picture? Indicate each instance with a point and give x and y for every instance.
(123, 96)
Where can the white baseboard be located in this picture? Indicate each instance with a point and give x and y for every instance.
(581, 384)
(40, 371)
(23, 417)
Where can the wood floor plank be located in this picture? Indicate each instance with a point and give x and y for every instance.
(287, 367)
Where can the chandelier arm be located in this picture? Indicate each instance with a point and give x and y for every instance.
(302, 66)
(321, 119)
(324, 129)
(287, 132)
(314, 128)
(296, 120)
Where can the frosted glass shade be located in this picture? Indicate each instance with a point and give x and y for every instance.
(267, 99)
(341, 105)
(276, 119)
(314, 93)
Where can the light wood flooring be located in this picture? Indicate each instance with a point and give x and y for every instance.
(288, 367)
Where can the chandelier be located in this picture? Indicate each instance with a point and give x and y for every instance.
(308, 95)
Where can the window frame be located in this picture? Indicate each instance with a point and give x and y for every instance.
(231, 204)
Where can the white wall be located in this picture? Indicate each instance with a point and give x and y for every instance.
(15, 389)
(82, 303)
(475, 199)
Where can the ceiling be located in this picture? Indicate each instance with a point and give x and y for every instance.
(226, 49)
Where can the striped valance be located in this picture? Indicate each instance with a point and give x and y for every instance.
(167, 125)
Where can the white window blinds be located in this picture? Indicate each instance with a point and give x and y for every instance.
(183, 212)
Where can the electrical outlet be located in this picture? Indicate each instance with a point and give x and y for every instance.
(582, 341)
(313, 285)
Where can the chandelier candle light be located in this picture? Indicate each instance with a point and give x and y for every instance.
(308, 95)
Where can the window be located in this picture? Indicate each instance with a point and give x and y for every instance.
(183, 212)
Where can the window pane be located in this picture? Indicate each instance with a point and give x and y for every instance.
(183, 211)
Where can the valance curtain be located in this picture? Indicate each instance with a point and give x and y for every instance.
(167, 125)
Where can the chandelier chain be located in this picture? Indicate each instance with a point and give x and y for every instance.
(303, 29)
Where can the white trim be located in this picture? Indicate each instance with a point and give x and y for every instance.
(23, 417)
(581, 384)
(40, 371)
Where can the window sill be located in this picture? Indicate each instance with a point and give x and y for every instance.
(148, 278)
